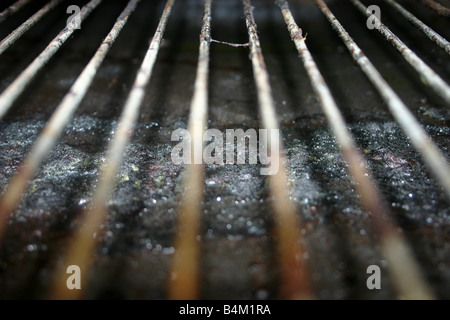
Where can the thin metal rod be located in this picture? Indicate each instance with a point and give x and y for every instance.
(430, 33)
(58, 121)
(184, 278)
(436, 161)
(13, 91)
(439, 8)
(82, 246)
(12, 9)
(371, 197)
(294, 272)
(421, 140)
(428, 76)
(24, 27)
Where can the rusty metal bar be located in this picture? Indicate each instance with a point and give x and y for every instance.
(184, 278)
(12, 9)
(84, 240)
(427, 75)
(24, 27)
(430, 33)
(294, 272)
(371, 197)
(405, 272)
(14, 90)
(58, 121)
(419, 137)
(439, 8)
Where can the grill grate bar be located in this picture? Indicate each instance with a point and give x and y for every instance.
(24, 27)
(59, 120)
(419, 137)
(370, 195)
(294, 272)
(184, 279)
(84, 241)
(14, 90)
(12, 9)
(404, 272)
(433, 35)
(430, 77)
(184, 275)
(439, 8)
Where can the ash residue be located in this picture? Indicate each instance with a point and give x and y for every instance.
(338, 230)
(238, 248)
(141, 208)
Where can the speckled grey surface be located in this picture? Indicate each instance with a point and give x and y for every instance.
(237, 240)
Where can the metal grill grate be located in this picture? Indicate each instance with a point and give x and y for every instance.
(185, 277)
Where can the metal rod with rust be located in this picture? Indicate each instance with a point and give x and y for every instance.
(184, 278)
(295, 275)
(12, 9)
(14, 90)
(439, 8)
(83, 244)
(24, 27)
(433, 157)
(427, 75)
(58, 121)
(371, 197)
(430, 33)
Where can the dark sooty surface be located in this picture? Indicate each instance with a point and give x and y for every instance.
(237, 240)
